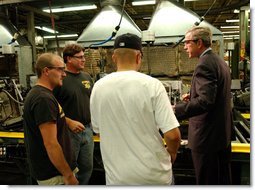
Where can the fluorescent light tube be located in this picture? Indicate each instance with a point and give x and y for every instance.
(228, 36)
(235, 20)
(139, 3)
(147, 18)
(67, 9)
(229, 27)
(61, 36)
(230, 32)
(46, 29)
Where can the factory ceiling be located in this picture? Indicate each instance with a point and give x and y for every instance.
(75, 22)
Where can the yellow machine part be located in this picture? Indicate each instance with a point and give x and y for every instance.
(236, 147)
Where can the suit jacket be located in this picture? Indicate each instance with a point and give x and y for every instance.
(209, 109)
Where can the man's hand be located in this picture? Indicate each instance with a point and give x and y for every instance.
(71, 180)
(173, 156)
(75, 126)
(186, 97)
(172, 139)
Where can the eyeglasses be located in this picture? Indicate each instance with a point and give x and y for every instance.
(61, 69)
(188, 41)
(79, 57)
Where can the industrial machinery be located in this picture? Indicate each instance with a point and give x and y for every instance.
(175, 89)
(11, 95)
(241, 100)
(10, 105)
(13, 165)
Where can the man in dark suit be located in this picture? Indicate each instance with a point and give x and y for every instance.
(209, 111)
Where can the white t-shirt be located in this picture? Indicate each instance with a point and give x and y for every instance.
(128, 108)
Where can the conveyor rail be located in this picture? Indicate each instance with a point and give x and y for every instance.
(236, 147)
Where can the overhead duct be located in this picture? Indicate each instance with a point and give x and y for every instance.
(171, 20)
(103, 24)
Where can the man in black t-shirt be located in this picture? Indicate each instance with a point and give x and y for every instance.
(74, 97)
(47, 137)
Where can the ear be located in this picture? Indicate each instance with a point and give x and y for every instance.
(138, 62)
(114, 58)
(45, 71)
(68, 59)
(200, 43)
(138, 58)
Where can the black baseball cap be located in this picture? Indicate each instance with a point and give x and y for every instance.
(128, 40)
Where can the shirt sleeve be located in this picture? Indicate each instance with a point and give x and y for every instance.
(164, 115)
(45, 110)
(93, 111)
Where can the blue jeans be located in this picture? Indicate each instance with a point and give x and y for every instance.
(83, 146)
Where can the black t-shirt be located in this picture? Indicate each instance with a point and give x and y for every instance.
(41, 107)
(74, 96)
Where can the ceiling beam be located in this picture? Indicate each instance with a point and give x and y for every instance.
(222, 9)
(14, 1)
(37, 11)
(224, 4)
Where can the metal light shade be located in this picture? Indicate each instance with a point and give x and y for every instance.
(6, 36)
(103, 24)
(171, 20)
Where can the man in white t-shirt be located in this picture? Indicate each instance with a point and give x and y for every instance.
(128, 109)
